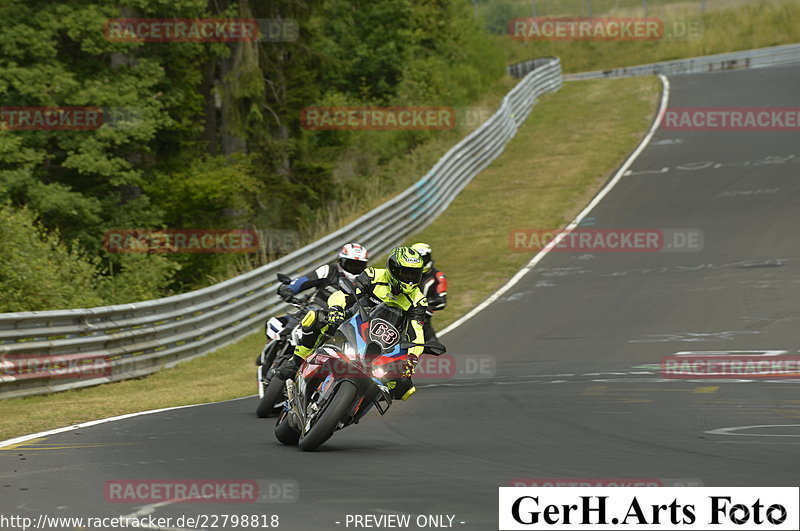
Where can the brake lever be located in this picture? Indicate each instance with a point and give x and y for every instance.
(410, 344)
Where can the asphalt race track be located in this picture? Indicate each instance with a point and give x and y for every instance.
(572, 388)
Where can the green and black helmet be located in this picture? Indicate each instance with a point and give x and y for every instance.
(405, 269)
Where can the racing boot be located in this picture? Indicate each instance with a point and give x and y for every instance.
(290, 368)
(310, 332)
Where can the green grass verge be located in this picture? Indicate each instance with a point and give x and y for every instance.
(550, 170)
(727, 26)
(559, 159)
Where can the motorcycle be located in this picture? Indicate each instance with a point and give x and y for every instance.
(347, 375)
(284, 333)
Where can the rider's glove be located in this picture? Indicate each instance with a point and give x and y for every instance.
(335, 315)
(411, 365)
(285, 292)
(435, 306)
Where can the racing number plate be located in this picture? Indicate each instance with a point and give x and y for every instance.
(383, 333)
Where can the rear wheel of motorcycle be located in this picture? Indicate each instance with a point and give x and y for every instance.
(272, 395)
(284, 433)
(325, 425)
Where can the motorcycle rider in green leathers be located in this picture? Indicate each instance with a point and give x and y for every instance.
(398, 286)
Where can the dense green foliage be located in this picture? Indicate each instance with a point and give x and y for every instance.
(39, 271)
(210, 135)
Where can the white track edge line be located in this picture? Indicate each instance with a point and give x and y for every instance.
(24, 438)
(608, 187)
(508, 285)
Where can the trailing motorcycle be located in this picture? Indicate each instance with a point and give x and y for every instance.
(284, 333)
(347, 375)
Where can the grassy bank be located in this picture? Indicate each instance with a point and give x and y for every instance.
(557, 161)
(723, 27)
(580, 135)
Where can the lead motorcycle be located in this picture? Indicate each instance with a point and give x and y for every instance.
(346, 376)
(283, 333)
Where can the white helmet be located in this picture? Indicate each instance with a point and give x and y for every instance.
(352, 260)
(425, 252)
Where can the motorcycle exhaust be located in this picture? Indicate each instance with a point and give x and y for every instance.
(296, 417)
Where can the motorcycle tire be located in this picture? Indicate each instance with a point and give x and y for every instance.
(273, 394)
(285, 433)
(323, 428)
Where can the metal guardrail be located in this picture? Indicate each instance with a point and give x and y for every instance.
(519, 70)
(773, 56)
(49, 351)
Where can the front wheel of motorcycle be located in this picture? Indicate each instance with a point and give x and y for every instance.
(285, 433)
(323, 428)
(273, 393)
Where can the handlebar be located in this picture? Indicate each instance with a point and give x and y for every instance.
(435, 348)
(296, 301)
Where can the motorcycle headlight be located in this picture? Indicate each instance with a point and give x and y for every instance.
(378, 373)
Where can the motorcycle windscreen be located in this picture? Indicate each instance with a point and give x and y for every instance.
(385, 327)
(376, 340)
